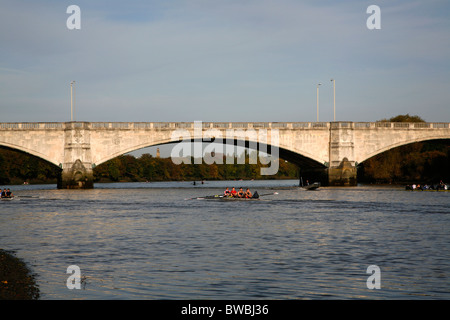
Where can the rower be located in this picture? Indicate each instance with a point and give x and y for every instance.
(233, 192)
(227, 192)
(248, 194)
(9, 194)
(240, 193)
(3, 193)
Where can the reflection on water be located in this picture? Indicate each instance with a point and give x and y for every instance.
(145, 241)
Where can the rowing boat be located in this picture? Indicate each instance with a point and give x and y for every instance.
(7, 198)
(225, 198)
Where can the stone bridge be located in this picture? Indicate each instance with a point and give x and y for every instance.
(329, 150)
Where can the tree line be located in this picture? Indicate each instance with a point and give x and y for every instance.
(149, 168)
(18, 168)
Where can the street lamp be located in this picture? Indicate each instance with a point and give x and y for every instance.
(334, 99)
(318, 101)
(72, 99)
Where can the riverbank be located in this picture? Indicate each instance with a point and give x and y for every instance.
(16, 280)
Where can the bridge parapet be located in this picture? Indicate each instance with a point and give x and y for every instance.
(31, 125)
(221, 125)
(398, 125)
(210, 125)
(271, 125)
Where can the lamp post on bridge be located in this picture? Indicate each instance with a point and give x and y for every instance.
(318, 101)
(334, 99)
(72, 99)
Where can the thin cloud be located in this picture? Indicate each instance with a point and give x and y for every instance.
(159, 59)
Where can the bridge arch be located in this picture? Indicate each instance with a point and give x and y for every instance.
(29, 151)
(300, 159)
(21, 166)
(399, 144)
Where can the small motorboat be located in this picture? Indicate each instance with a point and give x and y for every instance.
(313, 186)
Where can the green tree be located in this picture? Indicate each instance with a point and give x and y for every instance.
(403, 118)
(114, 169)
(4, 179)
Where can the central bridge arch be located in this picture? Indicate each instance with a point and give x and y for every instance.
(307, 168)
(301, 160)
(294, 146)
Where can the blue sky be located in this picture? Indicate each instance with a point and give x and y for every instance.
(224, 60)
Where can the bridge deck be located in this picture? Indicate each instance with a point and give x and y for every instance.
(222, 125)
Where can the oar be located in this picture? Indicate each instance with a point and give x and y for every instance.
(27, 197)
(268, 194)
(221, 196)
(205, 197)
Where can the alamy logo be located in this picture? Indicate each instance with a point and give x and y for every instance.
(374, 281)
(74, 20)
(74, 280)
(222, 141)
(374, 21)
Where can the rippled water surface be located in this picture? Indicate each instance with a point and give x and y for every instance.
(146, 241)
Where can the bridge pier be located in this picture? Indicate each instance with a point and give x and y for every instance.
(342, 169)
(77, 170)
(342, 175)
(76, 177)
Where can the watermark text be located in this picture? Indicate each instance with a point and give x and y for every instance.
(222, 142)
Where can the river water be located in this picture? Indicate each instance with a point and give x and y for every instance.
(146, 241)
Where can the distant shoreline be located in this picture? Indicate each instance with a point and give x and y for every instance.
(143, 180)
(198, 181)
